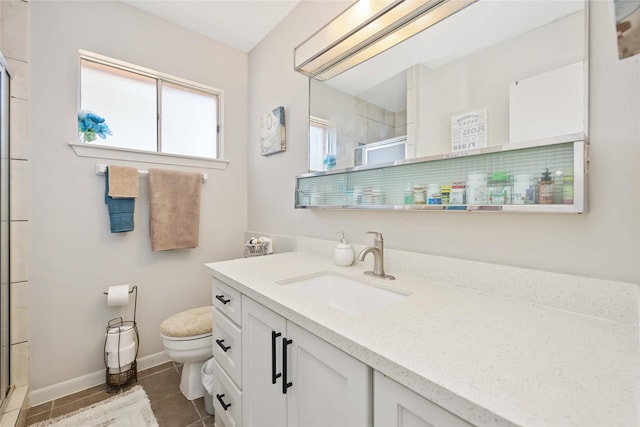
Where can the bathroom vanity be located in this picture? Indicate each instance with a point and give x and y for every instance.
(419, 350)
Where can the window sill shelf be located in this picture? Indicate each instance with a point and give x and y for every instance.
(113, 153)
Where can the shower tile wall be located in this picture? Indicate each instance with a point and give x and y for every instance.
(20, 205)
(19, 132)
(14, 44)
(372, 124)
(376, 124)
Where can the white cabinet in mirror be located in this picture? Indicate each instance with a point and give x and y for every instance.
(502, 60)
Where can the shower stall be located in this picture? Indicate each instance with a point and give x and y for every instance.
(5, 341)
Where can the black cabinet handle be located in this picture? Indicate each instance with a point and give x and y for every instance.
(222, 346)
(285, 384)
(274, 376)
(221, 299)
(225, 406)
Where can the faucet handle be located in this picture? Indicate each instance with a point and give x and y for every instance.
(378, 235)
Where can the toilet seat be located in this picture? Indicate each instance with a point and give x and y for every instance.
(195, 337)
(188, 324)
(187, 343)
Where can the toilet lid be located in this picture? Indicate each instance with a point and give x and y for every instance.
(197, 321)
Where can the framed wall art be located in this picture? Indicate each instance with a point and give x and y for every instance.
(272, 132)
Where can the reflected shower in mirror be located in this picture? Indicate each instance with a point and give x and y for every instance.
(496, 72)
(355, 126)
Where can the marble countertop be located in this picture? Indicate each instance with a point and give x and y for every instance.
(491, 360)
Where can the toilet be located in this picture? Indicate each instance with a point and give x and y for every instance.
(186, 338)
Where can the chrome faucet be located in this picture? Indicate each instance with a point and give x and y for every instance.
(378, 256)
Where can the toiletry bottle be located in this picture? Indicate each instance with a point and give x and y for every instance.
(546, 189)
(477, 189)
(522, 189)
(343, 253)
(458, 196)
(434, 197)
(408, 195)
(500, 186)
(558, 184)
(567, 188)
(445, 192)
(419, 194)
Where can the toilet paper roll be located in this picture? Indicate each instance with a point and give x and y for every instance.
(127, 355)
(121, 336)
(118, 295)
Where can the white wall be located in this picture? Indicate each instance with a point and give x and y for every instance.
(603, 243)
(74, 256)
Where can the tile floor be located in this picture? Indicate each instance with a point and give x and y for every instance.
(161, 383)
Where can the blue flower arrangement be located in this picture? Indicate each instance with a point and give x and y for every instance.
(329, 161)
(91, 126)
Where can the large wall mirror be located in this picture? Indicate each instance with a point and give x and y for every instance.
(495, 72)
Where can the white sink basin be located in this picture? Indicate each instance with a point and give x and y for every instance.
(342, 293)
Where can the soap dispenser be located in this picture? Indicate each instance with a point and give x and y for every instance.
(343, 254)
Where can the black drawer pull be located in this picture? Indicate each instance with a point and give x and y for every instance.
(222, 346)
(221, 299)
(225, 406)
(285, 384)
(274, 376)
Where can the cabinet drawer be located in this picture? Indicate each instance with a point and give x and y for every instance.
(225, 392)
(227, 299)
(227, 345)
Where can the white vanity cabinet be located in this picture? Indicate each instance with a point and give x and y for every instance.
(269, 371)
(397, 406)
(293, 378)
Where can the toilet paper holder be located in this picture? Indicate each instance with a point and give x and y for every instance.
(121, 345)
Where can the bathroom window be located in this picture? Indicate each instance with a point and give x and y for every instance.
(150, 111)
(319, 143)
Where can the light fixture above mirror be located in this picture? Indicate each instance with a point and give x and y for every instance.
(366, 29)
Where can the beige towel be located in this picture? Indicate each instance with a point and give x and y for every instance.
(123, 182)
(175, 209)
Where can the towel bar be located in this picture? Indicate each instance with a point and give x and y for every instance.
(102, 168)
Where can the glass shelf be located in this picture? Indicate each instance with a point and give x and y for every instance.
(542, 176)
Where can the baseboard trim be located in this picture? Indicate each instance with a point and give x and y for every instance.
(74, 385)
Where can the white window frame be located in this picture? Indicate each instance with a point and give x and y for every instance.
(329, 143)
(119, 153)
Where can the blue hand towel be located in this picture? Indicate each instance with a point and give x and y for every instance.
(120, 210)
